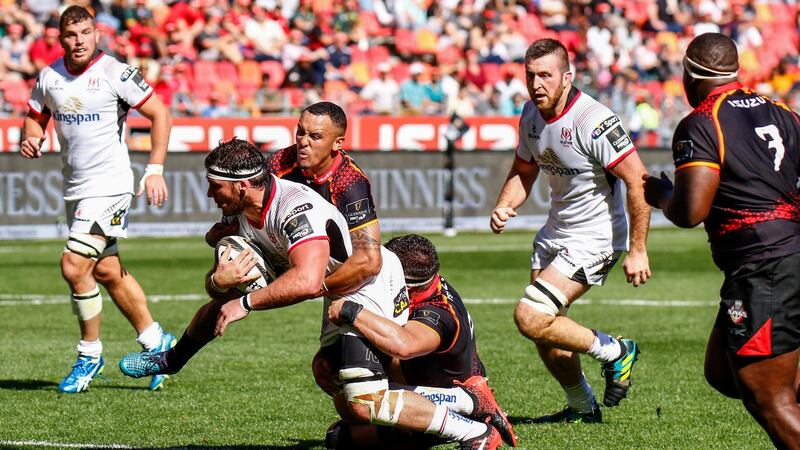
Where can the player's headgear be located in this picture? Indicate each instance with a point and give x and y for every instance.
(711, 56)
(236, 160)
(418, 257)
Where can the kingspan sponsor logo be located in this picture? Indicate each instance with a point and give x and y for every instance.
(440, 398)
(77, 119)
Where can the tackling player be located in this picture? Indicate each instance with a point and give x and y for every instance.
(306, 238)
(88, 94)
(737, 169)
(583, 148)
(435, 352)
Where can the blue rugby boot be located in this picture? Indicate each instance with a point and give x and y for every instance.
(167, 342)
(85, 369)
(618, 373)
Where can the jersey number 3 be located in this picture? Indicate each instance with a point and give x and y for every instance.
(772, 135)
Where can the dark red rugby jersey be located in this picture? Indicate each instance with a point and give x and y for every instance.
(754, 143)
(440, 308)
(343, 184)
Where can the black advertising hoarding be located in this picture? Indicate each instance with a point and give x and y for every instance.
(408, 189)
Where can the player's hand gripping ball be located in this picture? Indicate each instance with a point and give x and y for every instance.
(263, 267)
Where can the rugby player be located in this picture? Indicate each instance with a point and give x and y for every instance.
(305, 237)
(585, 151)
(88, 94)
(737, 169)
(435, 351)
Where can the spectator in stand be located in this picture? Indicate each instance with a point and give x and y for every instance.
(512, 107)
(509, 85)
(339, 56)
(305, 21)
(214, 43)
(413, 94)
(345, 16)
(383, 91)
(267, 100)
(46, 49)
(216, 108)
(474, 73)
(265, 34)
(434, 93)
(14, 52)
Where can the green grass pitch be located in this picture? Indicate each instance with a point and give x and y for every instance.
(253, 388)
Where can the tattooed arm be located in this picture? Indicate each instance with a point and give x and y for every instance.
(362, 266)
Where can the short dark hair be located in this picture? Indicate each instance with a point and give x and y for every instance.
(332, 110)
(239, 155)
(417, 256)
(74, 14)
(714, 51)
(546, 46)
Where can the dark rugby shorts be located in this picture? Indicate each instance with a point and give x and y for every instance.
(352, 351)
(760, 307)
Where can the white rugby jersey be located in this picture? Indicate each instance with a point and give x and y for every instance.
(294, 214)
(576, 150)
(89, 110)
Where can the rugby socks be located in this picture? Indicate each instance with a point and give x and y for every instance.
(455, 399)
(452, 426)
(150, 337)
(605, 348)
(580, 397)
(90, 348)
(183, 351)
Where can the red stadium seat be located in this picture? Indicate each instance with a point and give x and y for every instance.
(405, 42)
(226, 71)
(16, 93)
(275, 71)
(372, 26)
(357, 54)
(377, 54)
(249, 74)
(448, 55)
(204, 73)
(492, 73)
(297, 97)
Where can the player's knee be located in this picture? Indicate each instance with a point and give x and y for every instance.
(532, 322)
(75, 268)
(325, 378)
(107, 271)
(369, 398)
(358, 413)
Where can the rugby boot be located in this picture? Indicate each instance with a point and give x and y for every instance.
(167, 342)
(489, 440)
(571, 415)
(486, 407)
(85, 369)
(143, 364)
(618, 373)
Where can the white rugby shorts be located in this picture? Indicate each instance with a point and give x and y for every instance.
(583, 265)
(99, 215)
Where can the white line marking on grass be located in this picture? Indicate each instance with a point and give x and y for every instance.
(61, 444)
(33, 299)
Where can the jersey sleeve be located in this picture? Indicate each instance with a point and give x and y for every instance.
(609, 143)
(524, 151)
(695, 143)
(37, 101)
(352, 195)
(440, 321)
(131, 85)
(302, 221)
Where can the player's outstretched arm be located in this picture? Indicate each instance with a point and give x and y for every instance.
(515, 191)
(636, 263)
(362, 266)
(153, 179)
(33, 135)
(402, 342)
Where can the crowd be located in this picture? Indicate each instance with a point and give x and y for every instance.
(243, 58)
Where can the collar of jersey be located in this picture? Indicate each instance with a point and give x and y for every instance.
(96, 58)
(733, 85)
(420, 297)
(337, 161)
(272, 186)
(572, 97)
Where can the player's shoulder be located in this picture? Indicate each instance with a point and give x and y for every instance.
(296, 198)
(593, 117)
(282, 161)
(348, 176)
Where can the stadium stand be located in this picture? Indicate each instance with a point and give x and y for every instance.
(626, 52)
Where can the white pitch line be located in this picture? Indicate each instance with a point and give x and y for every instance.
(62, 444)
(33, 299)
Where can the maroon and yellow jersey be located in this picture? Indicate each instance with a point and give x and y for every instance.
(754, 144)
(344, 184)
(440, 308)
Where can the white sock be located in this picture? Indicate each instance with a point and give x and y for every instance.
(580, 397)
(90, 348)
(604, 347)
(150, 337)
(452, 426)
(455, 399)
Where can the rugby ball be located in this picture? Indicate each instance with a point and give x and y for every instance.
(263, 267)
